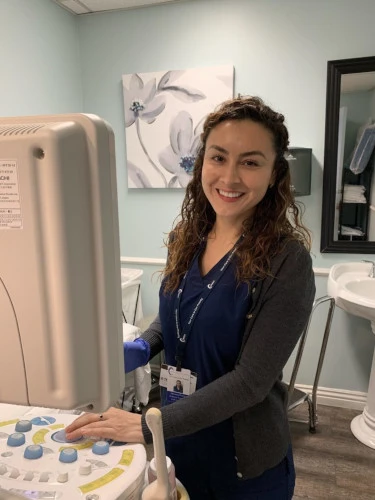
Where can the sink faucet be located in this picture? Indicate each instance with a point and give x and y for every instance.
(372, 270)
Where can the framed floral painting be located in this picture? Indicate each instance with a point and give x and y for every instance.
(164, 114)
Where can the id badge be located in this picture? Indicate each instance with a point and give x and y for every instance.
(178, 384)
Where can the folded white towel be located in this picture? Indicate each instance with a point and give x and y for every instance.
(351, 231)
(354, 194)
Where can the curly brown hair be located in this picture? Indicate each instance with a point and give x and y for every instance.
(276, 219)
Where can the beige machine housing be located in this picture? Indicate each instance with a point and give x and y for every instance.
(60, 286)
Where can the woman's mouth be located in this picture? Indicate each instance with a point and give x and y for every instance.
(229, 196)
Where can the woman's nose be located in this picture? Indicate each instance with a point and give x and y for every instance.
(231, 174)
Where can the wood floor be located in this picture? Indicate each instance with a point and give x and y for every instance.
(330, 464)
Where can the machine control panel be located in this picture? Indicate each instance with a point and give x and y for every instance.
(37, 461)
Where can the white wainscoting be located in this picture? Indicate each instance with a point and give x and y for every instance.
(340, 398)
(318, 271)
(143, 260)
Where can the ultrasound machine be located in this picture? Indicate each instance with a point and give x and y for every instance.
(60, 310)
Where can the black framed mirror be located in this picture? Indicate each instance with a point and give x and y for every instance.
(348, 209)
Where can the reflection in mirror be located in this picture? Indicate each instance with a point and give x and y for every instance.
(355, 206)
(348, 222)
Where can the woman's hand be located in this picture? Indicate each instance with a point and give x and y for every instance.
(115, 424)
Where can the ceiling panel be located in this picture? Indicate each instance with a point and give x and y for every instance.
(89, 6)
(358, 82)
(73, 6)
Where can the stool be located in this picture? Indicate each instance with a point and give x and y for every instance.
(296, 396)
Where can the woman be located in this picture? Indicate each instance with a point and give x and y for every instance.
(236, 294)
(178, 387)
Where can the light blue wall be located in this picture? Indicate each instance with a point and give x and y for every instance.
(280, 52)
(40, 64)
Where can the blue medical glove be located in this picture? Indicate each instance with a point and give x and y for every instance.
(136, 354)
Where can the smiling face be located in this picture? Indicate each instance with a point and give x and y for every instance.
(238, 167)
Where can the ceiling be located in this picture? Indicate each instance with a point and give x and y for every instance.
(80, 7)
(358, 82)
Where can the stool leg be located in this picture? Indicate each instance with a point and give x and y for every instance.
(136, 407)
(312, 416)
(327, 330)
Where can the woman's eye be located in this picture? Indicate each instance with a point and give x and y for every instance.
(218, 158)
(250, 163)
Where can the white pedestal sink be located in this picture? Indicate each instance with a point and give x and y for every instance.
(354, 291)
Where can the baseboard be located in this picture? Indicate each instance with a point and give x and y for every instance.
(340, 398)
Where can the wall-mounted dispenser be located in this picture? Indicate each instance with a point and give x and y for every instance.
(299, 160)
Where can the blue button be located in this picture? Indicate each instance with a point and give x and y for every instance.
(100, 448)
(60, 437)
(43, 420)
(68, 455)
(33, 452)
(23, 426)
(16, 439)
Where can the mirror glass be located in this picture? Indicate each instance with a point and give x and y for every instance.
(348, 223)
(355, 215)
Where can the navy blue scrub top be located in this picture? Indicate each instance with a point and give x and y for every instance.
(216, 336)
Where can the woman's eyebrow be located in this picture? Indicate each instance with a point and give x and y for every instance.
(242, 155)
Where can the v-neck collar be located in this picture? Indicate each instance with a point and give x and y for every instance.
(213, 268)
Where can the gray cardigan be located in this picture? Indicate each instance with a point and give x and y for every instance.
(253, 393)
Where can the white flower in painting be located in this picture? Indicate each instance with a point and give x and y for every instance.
(141, 101)
(179, 157)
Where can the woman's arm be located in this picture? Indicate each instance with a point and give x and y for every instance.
(276, 328)
(153, 336)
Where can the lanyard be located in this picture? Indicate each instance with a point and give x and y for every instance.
(184, 334)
